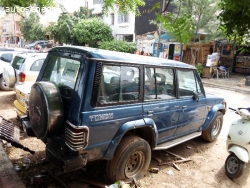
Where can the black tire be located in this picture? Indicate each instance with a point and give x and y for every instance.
(46, 110)
(132, 159)
(213, 130)
(3, 85)
(234, 166)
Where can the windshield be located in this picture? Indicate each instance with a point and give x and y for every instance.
(63, 72)
(18, 62)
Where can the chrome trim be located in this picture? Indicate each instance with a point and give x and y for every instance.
(76, 141)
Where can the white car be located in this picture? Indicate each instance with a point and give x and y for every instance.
(6, 57)
(21, 75)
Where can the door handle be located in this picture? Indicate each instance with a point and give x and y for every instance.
(150, 112)
(183, 107)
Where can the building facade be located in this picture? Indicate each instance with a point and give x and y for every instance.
(11, 28)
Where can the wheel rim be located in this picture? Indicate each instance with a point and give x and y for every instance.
(216, 127)
(232, 165)
(134, 164)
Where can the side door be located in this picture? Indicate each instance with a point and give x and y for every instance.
(160, 102)
(192, 112)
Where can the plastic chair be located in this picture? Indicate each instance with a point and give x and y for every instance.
(218, 72)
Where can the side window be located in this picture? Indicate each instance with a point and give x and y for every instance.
(6, 57)
(188, 83)
(37, 65)
(159, 83)
(119, 84)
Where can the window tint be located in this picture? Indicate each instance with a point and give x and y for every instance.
(18, 62)
(188, 83)
(119, 84)
(6, 57)
(159, 83)
(37, 65)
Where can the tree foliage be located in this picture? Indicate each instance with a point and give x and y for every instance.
(63, 30)
(26, 3)
(93, 31)
(235, 20)
(124, 6)
(120, 46)
(31, 28)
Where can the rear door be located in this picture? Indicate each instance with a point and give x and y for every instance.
(192, 112)
(160, 102)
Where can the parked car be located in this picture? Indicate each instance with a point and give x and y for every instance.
(6, 57)
(83, 114)
(42, 43)
(24, 69)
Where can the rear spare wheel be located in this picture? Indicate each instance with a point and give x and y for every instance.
(45, 110)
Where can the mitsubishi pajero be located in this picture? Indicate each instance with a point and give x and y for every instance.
(90, 104)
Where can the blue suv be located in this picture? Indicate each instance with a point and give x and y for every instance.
(89, 104)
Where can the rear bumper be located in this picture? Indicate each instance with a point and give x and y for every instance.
(66, 163)
(20, 109)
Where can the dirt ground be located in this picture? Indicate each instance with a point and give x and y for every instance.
(205, 168)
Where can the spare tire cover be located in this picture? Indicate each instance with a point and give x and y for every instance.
(9, 76)
(45, 109)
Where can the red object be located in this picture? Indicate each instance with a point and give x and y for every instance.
(176, 58)
(21, 77)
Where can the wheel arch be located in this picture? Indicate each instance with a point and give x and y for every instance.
(211, 114)
(144, 129)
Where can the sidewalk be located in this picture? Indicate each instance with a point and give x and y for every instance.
(235, 82)
(8, 176)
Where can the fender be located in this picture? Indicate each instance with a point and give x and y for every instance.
(240, 152)
(137, 124)
(211, 114)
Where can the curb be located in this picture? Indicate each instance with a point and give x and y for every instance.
(237, 89)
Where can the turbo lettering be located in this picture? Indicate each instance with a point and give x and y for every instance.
(100, 117)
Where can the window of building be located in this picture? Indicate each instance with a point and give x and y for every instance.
(122, 18)
(112, 16)
(95, 2)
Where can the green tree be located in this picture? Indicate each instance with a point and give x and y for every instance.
(203, 14)
(31, 28)
(235, 20)
(119, 46)
(93, 31)
(24, 3)
(63, 30)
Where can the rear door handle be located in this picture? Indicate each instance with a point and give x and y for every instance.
(183, 107)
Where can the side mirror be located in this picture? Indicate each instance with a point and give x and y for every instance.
(195, 96)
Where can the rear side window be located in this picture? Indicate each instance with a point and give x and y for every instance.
(159, 83)
(62, 71)
(6, 57)
(37, 65)
(119, 84)
(18, 62)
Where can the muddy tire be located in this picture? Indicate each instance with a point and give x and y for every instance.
(3, 85)
(234, 166)
(213, 130)
(132, 159)
(45, 110)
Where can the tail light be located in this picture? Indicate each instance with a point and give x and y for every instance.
(21, 77)
(76, 137)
